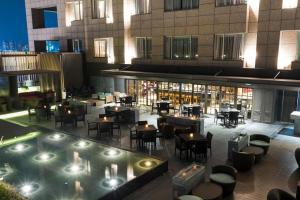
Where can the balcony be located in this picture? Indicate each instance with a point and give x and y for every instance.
(29, 62)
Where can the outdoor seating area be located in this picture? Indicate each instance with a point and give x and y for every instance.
(187, 136)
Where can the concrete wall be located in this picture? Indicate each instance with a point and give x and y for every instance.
(72, 70)
(263, 105)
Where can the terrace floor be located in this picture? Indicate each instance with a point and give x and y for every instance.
(278, 169)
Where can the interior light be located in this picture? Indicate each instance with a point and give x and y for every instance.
(44, 156)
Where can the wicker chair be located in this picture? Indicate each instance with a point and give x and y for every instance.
(297, 156)
(225, 176)
(260, 140)
(242, 161)
(278, 194)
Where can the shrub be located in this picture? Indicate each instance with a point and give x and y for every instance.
(7, 192)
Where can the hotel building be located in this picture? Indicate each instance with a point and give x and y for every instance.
(240, 52)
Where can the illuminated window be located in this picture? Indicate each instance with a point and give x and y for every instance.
(286, 4)
(181, 4)
(104, 48)
(100, 48)
(73, 12)
(181, 48)
(229, 46)
(98, 9)
(142, 6)
(230, 2)
(143, 47)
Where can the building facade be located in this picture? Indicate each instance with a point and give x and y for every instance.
(239, 34)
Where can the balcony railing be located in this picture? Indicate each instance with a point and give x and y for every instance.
(29, 61)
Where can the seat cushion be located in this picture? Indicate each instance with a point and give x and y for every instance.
(189, 197)
(222, 178)
(259, 143)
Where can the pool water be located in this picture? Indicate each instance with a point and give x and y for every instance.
(58, 166)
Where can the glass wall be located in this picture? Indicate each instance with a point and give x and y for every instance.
(212, 96)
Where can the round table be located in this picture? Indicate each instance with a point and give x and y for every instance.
(208, 191)
(257, 151)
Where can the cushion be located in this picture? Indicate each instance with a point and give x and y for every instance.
(189, 197)
(259, 143)
(222, 178)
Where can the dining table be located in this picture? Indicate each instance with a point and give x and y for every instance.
(192, 138)
(140, 129)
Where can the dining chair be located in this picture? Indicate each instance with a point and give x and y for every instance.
(209, 137)
(181, 146)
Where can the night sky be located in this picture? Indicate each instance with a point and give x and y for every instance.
(13, 21)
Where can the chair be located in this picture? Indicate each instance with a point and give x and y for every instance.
(233, 118)
(260, 140)
(242, 161)
(225, 176)
(117, 99)
(218, 116)
(116, 126)
(184, 110)
(141, 123)
(168, 131)
(133, 134)
(149, 137)
(153, 107)
(200, 148)
(105, 127)
(80, 116)
(297, 156)
(134, 100)
(242, 115)
(278, 194)
(196, 111)
(31, 112)
(163, 108)
(69, 119)
(160, 123)
(58, 118)
(181, 146)
(128, 101)
(209, 137)
(92, 126)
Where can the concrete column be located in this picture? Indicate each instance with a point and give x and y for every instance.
(13, 86)
(119, 84)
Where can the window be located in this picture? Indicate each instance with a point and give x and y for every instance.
(44, 17)
(104, 48)
(180, 47)
(73, 12)
(142, 6)
(77, 45)
(229, 47)
(143, 47)
(230, 2)
(287, 4)
(98, 9)
(100, 48)
(181, 4)
(52, 46)
(74, 45)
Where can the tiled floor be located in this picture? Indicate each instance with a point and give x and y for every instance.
(277, 170)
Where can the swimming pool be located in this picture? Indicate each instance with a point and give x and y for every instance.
(57, 166)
